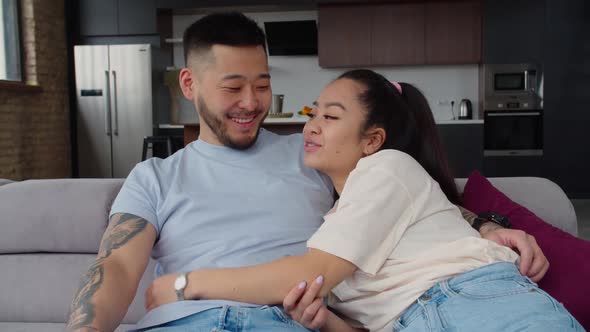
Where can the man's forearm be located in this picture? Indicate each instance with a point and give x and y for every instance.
(470, 218)
(108, 287)
(95, 308)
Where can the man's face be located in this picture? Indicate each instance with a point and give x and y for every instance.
(232, 95)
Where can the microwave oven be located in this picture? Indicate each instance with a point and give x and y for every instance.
(512, 86)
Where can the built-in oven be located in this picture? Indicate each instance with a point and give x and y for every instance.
(513, 133)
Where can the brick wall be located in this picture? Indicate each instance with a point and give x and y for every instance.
(34, 125)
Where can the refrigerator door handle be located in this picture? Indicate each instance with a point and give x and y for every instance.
(107, 108)
(116, 115)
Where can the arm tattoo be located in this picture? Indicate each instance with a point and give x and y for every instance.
(467, 215)
(119, 232)
(81, 310)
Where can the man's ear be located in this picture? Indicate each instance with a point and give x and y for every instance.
(375, 137)
(188, 83)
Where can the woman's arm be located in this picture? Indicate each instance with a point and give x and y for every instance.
(268, 283)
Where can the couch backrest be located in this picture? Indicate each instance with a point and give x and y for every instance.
(541, 196)
(51, 231)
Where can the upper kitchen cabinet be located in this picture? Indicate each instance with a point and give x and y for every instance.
(344, 36)
(137, 17)
(514, 31)
(397, 34)
(453, 32)
(98, 17)
(406, 33)
(117, 17)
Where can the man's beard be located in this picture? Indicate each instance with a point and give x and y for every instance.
(220, 129)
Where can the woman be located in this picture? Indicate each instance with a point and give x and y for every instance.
(394, 251)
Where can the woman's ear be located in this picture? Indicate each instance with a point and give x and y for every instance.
(187, 83)
(375, 138)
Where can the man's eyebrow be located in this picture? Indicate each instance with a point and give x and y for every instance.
(238, 76)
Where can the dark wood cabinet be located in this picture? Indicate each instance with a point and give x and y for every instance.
(397, 34)
(406, 33)
(453, 32)
(344, 36)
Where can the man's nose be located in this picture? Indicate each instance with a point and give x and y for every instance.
(249, 100)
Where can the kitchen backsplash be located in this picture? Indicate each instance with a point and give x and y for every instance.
(301, 79)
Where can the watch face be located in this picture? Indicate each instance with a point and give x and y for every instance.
(180, 282)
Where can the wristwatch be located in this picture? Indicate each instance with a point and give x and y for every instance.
(180, 285)
(496, 218)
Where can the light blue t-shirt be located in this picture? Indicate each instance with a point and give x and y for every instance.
(216, 207)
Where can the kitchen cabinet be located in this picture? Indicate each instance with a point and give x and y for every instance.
(464, 146)
(514, 31)
(117, 17)
(137, 17)
(98, 17)
(396, 34)
(344, 36)
(453, 32)
(407, 33)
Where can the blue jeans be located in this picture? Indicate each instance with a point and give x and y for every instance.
(233, 319)
(495, 297)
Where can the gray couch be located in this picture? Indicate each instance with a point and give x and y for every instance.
(51, 230)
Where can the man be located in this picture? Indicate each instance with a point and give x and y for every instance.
(237, 196)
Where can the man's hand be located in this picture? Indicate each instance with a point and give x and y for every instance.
(160, 292)
(303, 305)
(533, 262)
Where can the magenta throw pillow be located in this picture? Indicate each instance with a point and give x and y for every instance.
(568, 277)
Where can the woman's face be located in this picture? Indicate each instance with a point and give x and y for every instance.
(333, 140)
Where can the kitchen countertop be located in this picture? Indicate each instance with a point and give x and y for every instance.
(453, 122)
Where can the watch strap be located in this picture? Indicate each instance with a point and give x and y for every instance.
(492, 217)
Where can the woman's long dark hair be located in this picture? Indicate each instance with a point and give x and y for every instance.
(408, 123)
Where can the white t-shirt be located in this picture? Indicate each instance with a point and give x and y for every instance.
(397, 226)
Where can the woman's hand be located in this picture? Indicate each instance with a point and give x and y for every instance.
(160, 292)
(533, 262)
(303, 305)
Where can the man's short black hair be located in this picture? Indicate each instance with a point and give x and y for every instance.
(224, 28)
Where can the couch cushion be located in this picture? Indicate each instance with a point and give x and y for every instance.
(63, 215)
(569, 272)
(5, 181)
(40, 287)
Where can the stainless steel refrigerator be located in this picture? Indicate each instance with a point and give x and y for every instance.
(114, 93)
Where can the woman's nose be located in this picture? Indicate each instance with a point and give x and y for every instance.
(311, 127)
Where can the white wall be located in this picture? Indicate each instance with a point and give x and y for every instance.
(301, 79)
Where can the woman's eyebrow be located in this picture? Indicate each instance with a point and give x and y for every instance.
(329, 104)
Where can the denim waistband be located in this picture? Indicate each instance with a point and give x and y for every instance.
(495, 271)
